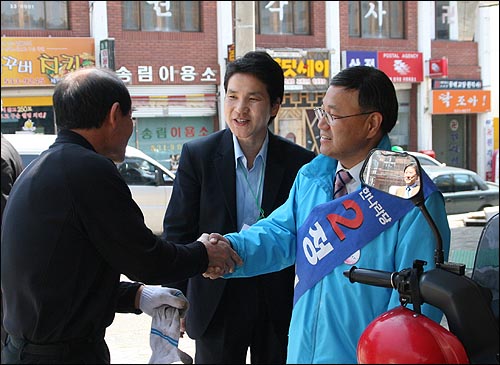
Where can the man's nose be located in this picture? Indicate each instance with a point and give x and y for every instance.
(242, 106)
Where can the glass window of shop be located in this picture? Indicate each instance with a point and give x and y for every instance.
(400, 134)
(162, 138)
(450, 139)
(377, 19)
(283, 17)
(455, 20)
(31, 15)
(28, 119)
(161, 16)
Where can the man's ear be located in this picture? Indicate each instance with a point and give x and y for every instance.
(114, 115)
(375, 124)
(275, 109)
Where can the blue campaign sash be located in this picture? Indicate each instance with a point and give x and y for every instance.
(333, 231)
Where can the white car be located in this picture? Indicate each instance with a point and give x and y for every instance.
(149, 181)
(426, 159)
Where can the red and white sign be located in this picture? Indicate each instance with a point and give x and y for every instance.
(438, 67)
(402, 66)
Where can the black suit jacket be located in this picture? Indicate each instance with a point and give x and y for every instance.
(204, 201)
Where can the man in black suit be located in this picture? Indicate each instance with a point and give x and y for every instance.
(225, 182)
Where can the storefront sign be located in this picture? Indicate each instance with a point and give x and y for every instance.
(359, 58)
(304, 70)
(402, 66)
(36, 119)
(438, 67)
(398, 66)
(162, 138)
(460, 101)
(167, 74)
(448, 84)
(40, 61)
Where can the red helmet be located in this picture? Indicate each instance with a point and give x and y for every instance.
(401, 336)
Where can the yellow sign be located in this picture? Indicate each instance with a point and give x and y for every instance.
(37, 61)
(304, 70)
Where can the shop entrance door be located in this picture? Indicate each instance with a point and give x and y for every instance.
(449, 139)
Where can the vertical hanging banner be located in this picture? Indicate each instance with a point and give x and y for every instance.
(107, 53)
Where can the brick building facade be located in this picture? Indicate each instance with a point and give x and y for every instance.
(176, 77)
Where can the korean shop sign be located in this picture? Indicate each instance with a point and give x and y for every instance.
(162, 138)
(440, 84)
(304, 70)
(39, 61)
(359, 58)
(402, 66)
(460, 101)
(168, 74)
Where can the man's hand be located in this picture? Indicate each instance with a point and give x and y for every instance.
(221, 257)
(182, 327)
(215, 238)
(154, 296)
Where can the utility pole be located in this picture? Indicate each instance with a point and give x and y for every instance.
(244, 38)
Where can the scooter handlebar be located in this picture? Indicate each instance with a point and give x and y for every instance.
(371, 277)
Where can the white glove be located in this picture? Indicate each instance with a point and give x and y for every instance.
(155, 296)
(164, 338)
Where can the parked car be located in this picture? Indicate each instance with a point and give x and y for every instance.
(426, 160)
(464, 190)
(149, 181)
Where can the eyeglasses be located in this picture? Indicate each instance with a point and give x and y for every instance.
(321, 113)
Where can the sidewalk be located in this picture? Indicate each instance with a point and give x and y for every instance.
(128, 339)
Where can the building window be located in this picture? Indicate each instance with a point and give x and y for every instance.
(162, 16)
(282, 17)
(442, 21)
(32, 15)
(455, 20)
(376, 19)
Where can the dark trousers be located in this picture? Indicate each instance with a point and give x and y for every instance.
(236, 328)
(223, 347)
(19, 351)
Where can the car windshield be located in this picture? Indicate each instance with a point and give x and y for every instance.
(425, 161)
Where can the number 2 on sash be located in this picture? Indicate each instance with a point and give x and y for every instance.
(336, 219)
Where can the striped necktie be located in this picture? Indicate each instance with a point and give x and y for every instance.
(341, 180)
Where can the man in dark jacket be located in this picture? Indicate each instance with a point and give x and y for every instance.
(71, 228)
(226, 182)
(12, 166)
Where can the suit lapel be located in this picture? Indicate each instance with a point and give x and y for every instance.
(274, 175)
(226, 174)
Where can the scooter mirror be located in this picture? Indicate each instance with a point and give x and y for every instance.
(395, 173)
(400, 174)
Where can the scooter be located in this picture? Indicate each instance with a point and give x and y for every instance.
(404, 335)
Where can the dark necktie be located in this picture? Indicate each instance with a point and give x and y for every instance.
(408, 191)
(341, 180)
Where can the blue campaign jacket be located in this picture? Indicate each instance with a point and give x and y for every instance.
(329, 318)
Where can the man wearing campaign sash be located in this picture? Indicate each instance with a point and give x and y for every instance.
(324, 232)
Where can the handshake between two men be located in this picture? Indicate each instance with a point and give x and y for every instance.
(222, 259)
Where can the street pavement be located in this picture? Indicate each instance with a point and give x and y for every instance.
(128, 336)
